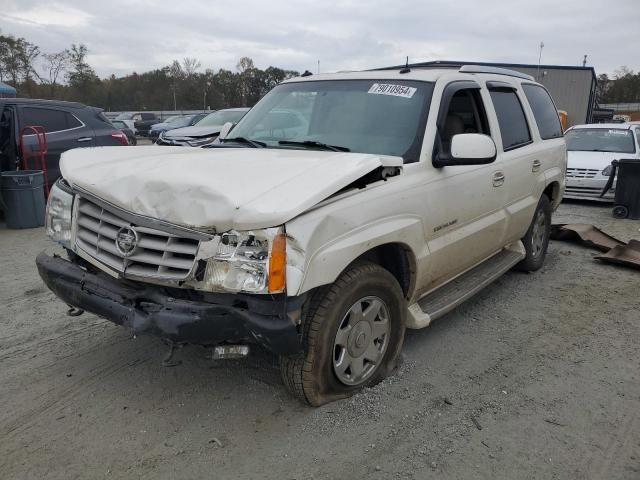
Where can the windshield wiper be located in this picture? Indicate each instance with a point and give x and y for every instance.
(313, 143)
(246, 141)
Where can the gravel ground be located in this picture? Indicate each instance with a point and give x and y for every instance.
(536, 377)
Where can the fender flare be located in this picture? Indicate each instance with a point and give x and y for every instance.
(329, 261)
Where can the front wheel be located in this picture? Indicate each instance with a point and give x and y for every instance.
(536, 240)
(353, 332)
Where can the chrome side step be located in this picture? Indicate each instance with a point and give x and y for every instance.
(447, 297)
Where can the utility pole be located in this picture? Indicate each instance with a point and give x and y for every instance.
(539, 61)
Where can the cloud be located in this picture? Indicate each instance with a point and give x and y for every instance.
(124, 36)
(49, 14)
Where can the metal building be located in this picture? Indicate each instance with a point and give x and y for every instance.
(572, 88)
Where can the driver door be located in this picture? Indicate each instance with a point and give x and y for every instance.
(465, 218)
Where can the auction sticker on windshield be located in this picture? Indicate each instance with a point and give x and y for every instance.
(393, 90)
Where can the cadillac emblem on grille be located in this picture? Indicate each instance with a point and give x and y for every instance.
(126, 241)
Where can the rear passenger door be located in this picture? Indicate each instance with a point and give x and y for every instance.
(520, 158)
(64, 132)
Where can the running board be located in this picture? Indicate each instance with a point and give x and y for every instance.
(447, 297)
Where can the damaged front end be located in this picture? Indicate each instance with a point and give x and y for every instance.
(174, 314)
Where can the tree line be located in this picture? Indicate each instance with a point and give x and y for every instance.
(181, 85)
(624, 87)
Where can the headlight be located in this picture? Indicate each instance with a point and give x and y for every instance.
(198, 142)
(58, 214)
(253, 262)
(607, 170)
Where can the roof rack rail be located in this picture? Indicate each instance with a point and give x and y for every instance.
(494, 70)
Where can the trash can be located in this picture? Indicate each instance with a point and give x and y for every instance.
(23, 198)
(627, 196)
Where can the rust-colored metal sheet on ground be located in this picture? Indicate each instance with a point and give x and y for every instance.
(615, 251)
(586, 234)
(628, 255)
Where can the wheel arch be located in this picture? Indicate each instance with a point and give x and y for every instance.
(395, 244)
(552, 191)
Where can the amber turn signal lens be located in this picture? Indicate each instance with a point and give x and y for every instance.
(278, 264)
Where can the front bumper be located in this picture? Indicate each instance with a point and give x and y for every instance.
(588, 189)
(210, 320)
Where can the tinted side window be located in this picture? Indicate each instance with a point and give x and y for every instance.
(51, 120)
(543, 111)
(513, 124)
(466, 114)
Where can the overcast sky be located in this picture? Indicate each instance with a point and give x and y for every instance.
(139, 35)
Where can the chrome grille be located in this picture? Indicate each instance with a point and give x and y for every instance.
(158, 254)
(582, 172)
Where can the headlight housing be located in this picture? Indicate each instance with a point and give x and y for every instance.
(252, 262)
(198, 142)
(58, 213)
(607, 170)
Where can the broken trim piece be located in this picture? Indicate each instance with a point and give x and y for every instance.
(586, 234)
(615, 251)
(627, 255)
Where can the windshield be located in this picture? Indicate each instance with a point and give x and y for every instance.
(600, 140)
(221, 117)
(174, 119)
(367, 116)
(119, 124)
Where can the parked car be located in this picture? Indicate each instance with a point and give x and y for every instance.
(591, 149)
(174, 122)
(126, 118)
(67, 125)
(124, 128)
(203, 132)
(388, 199)
(142, 121)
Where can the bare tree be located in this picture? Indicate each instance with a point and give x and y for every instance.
(190, 65)
(55, 65)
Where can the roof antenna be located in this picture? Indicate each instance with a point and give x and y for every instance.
(406, 68)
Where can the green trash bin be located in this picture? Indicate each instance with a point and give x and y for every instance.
(23, 198)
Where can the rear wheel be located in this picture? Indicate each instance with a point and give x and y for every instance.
(353, 332)
(536, 240)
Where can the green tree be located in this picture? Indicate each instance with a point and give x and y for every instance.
(82, 78)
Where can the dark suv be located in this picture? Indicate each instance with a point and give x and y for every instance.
(67, 125)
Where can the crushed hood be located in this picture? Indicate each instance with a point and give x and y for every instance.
(216, 188)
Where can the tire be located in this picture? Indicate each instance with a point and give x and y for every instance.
(620, 211)
(333, 330)
(536, 240)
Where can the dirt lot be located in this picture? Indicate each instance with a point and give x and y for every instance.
(537, 377)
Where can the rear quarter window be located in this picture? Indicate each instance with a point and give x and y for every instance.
(544, 111)
(51, 119)
(514, 129)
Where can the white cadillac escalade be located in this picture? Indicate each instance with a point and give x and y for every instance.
(341, 210)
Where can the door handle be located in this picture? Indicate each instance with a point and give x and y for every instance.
(536, 166)
(84, 139)
(498, 179)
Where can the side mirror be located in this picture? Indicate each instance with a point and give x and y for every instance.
(226, 128)
(469, 149)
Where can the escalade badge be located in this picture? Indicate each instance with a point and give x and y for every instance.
(126, 241)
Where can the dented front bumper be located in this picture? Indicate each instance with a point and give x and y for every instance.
(210, 319)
